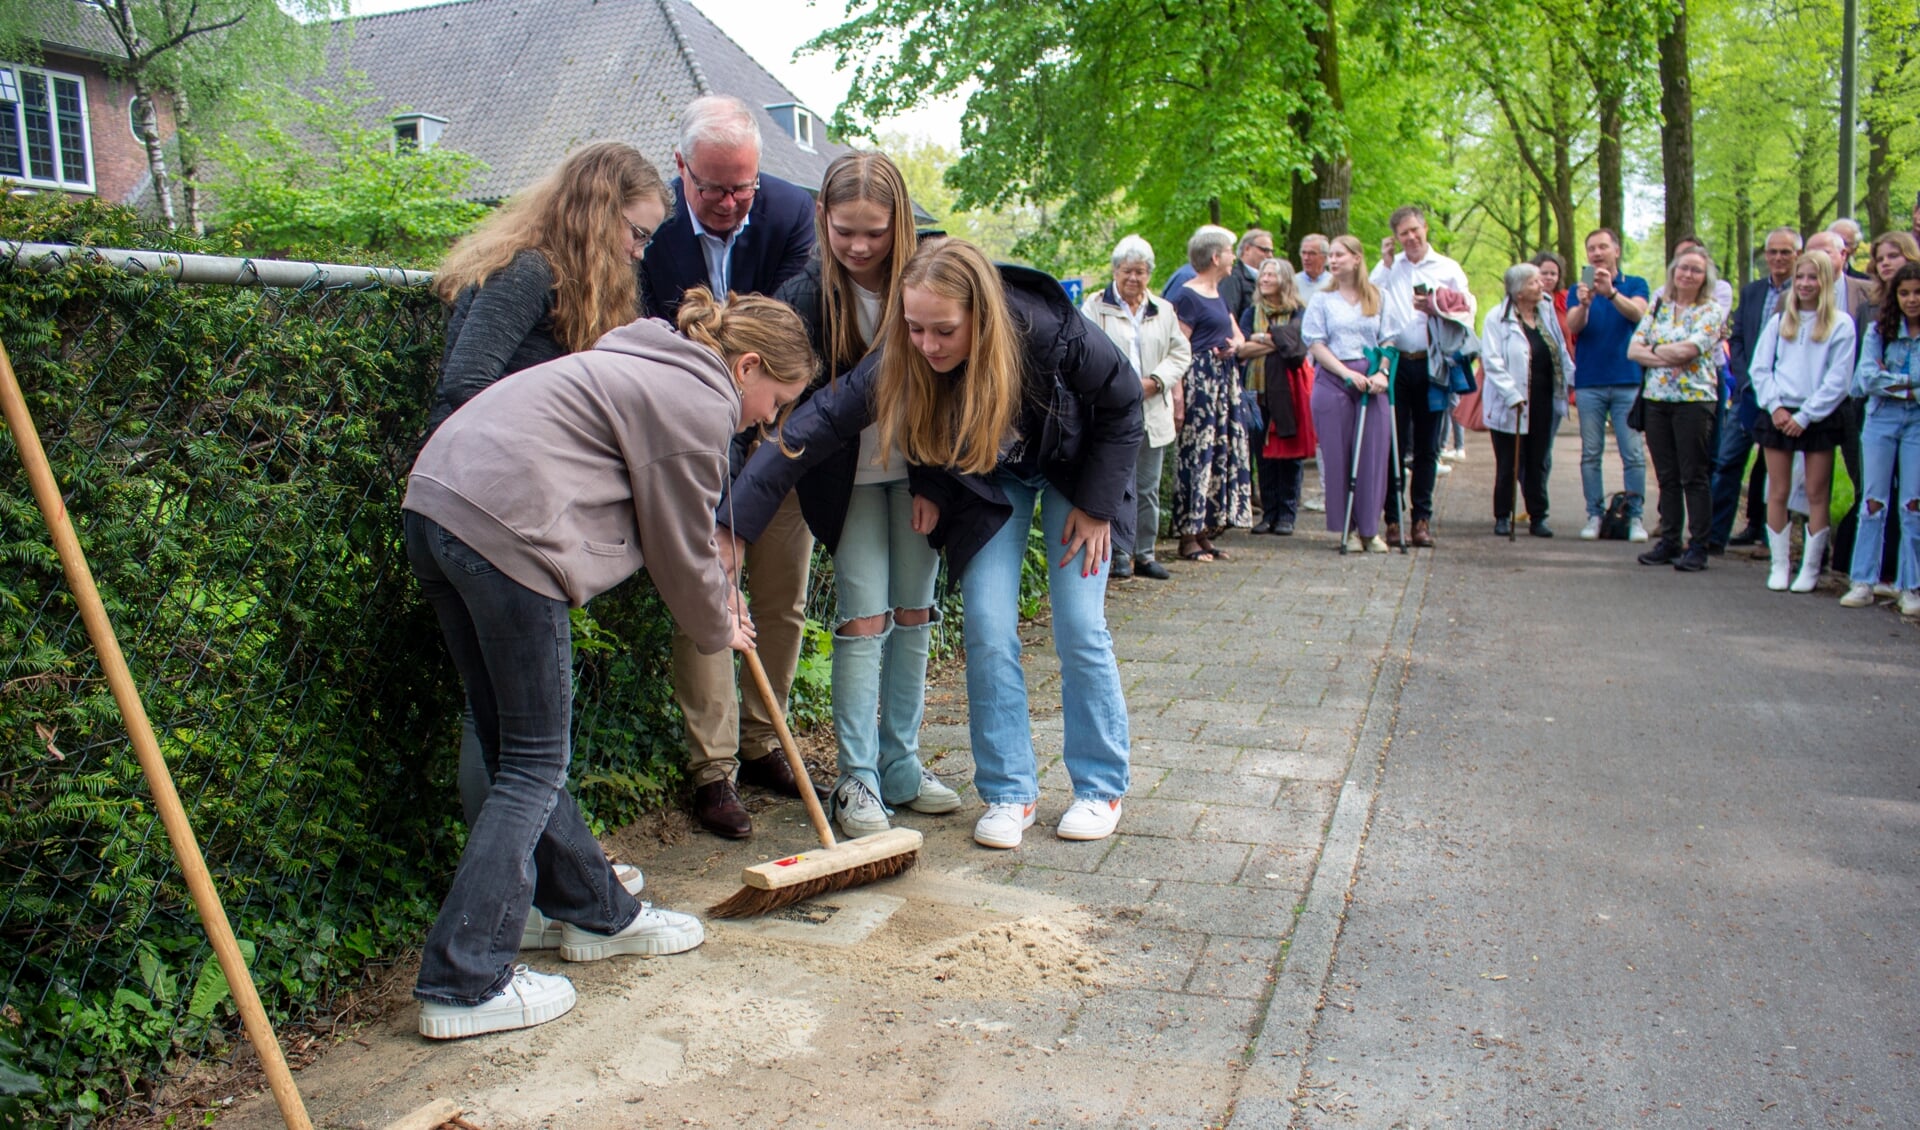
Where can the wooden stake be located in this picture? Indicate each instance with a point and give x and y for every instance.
(186, 849)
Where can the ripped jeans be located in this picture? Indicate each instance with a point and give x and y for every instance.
(1892, 428)
(880, 680)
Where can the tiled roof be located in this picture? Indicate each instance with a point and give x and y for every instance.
(522, 82)
(82, 30)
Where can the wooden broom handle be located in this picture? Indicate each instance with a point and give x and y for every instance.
(46, 491)
(787, 746)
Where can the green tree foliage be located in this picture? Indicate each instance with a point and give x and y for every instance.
(321, 175)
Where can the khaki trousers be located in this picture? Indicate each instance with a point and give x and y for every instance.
(722, 721)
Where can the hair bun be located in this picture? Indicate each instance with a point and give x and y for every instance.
(700, 316)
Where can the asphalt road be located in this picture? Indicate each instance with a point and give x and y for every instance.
(1646, 850)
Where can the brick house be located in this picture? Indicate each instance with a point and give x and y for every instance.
(66, 124)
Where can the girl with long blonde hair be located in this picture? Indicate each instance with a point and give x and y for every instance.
(1802, 369)
(858, 506)
(1345, 320)
(1001, 397)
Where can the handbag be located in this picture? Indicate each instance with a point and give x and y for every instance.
(1637, 414)
(1469, 413)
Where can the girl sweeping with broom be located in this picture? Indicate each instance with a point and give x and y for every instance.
(535, 496)
(999, 396)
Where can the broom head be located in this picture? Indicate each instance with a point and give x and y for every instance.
(850, 863)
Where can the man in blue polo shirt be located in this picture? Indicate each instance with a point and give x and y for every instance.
(1605, 383)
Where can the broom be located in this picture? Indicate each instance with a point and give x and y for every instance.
(837, 866)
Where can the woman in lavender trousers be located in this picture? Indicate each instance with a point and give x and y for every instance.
(1344, 321)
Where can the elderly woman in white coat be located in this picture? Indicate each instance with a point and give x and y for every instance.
(1527, 368)
(1147, 331)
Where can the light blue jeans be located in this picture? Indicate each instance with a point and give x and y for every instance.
(1597, 407)
(880, 681)
(1096, 738)
(1893, 426)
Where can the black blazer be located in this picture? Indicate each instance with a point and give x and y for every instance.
(1081, 412)
(1749, 318)
(772, 249)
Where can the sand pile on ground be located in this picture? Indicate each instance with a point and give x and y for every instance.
(1028, 953)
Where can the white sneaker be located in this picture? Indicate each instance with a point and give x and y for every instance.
(1883, 589)
(1089, 820)
(1636, 531)
(935, 798)
(543, 933)
(652, 932)
(1590, 531)
(1314, 505)
(857, 811)
(1910, 603)
(1376, 544)
(1459, 455)
(530, 998)
(1443, 468)
(1858, 596)
(1002, 824)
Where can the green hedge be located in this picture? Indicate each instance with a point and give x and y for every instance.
(233, 460)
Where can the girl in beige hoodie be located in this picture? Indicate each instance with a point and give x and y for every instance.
(543, 491)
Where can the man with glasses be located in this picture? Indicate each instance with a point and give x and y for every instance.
(735, 228)
(1759, 300)
(1240, 286)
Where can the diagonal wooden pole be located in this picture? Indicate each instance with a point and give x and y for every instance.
(186, 849)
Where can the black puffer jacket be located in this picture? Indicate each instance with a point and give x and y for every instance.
(824, 490)
(1080, 413)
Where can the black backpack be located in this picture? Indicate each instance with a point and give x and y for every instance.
(1613, 524)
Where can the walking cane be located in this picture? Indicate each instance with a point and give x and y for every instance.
(1353, 475)
(193, 866)
(1520, 477)
(1398, 481)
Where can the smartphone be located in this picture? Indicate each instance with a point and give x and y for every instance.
(1586, 275)
(1422, 289)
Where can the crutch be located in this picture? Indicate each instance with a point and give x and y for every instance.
(1353, 473)
(1389, 359)
(1519, 479)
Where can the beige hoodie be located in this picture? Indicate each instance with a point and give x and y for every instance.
(573, 475)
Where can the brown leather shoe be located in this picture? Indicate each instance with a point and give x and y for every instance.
(771, 772)
(1422, 536)
(717, 806)
(1391, 533)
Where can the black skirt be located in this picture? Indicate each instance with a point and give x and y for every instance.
(1821, 435)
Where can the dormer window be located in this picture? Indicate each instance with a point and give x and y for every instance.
(413, 132)
(797, 122)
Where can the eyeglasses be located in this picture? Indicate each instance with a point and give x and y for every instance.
(1266, 247)
(1780, 251)
(715, 193)
(642, 237)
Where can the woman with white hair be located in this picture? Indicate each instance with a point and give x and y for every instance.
(1214, 487)
(1146, 329)
(1528, 368)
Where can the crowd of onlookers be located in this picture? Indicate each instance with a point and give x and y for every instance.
(1378, 374)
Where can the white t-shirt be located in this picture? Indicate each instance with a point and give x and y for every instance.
(871, 468)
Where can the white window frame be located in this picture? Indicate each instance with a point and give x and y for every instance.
(803, 127)
(86, 130)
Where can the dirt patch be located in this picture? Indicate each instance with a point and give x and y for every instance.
(1026, 955)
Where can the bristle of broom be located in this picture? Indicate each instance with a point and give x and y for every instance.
(750, 902)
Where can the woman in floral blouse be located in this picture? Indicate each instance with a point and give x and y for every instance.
(1678, 342)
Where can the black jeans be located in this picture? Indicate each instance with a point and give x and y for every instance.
(528, 845)
(1680, 445)
(1534, 463)
(1419, 432)
(1278, 479)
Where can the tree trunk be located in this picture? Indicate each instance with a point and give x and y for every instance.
(1607, 159)
(1743, 230)
(1332, 172)
(156, 156)
(1546, 221)
(1676, 129)
(189, 160)
(1807, 213)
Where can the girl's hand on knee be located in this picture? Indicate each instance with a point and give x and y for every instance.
(1095, 535)
(926, 515)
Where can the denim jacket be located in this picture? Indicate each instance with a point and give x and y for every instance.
(1883, 365)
